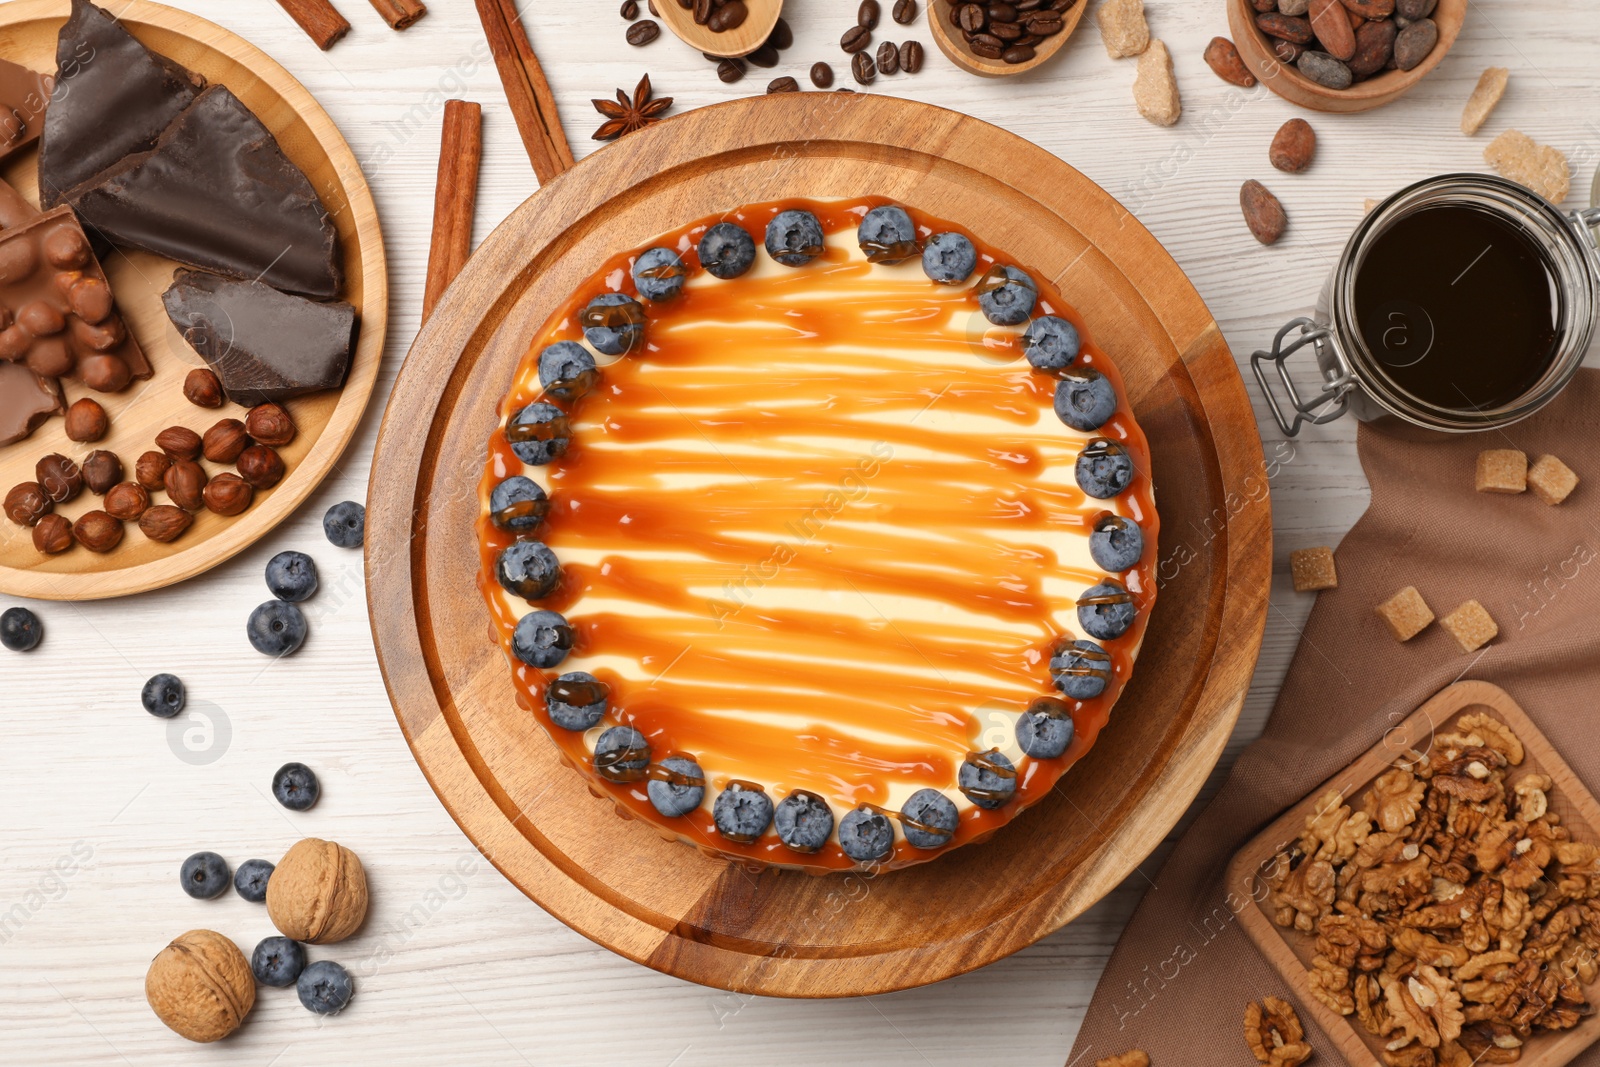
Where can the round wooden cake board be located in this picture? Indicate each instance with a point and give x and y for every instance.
(777, 932)
(326, 421)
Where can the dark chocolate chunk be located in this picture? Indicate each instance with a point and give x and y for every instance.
(23, 96)
(219, 194)
(263, 344)
(113, 97)
(26, 400)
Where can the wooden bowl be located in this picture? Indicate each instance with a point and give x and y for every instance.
(950, 42)
(739, 41)
(778, 932)
(326, 421)
(1256, 49)
(1290, 952)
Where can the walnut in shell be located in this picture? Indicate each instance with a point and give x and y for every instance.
(318, 892)
(201, 986)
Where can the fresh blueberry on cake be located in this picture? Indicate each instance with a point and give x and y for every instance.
(1006, 295)
(613, 323)
(988, 779)
(658, 274)
(803, 821)
(1104, 469)
(541, 639)
(866, 835)
(741, 813)
(576, 700)
(887, 235)
(1081, 670)
(1106, 610)
(726, 251)
(680, 789)
(928, 819)
(528, 569)
(1117, 543)
(1051, 343)
(567, 370)
(1085, 399)
(794, 238)
(949, 258)
(622, 755)
(518, 504)
(1045, 730)
(539, 434)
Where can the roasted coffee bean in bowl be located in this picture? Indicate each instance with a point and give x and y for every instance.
(997, 39)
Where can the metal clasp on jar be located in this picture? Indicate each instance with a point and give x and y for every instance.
(1339, 379)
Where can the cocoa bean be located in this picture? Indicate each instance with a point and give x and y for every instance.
(1285, 27)
(1331, 25)
(1412, 44)
(1294, 146)
(1262, 212)
(1374, 46)
(1325, 70)
(1223, 58)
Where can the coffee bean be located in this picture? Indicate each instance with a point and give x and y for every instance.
(1002, 12)
(1018, 53)
(911, 57)
(986, 46)
(1029, 39)
(630, 9)
(867, 14)
(1044, 24)
(1006, 31)
(784, 84)
(642, 33)
(651, 4)
(821, 75)
(888, 58)
(702, 11)
(781, 36)
(729, 16)
(730, 70)
(972, 18)
(1413, 43)
(905, 13)
(765, 56)
(1063, 5)
(863, 69)
(855, 39)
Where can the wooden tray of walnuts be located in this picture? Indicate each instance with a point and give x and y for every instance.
(1437, 903)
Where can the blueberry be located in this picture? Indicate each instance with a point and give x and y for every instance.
(621, 755)
(528, 569)
(325, 987)
(576, 700)
(1051, 343)
(928, 819)
(1105, 611)
(20, 629)
(1006, 295)
(296, 786)
(1045, 730)
(866, 835)
(1116, 544)
(726, 250)
(1104, 469)
(163, 696)
(658, 274)
(345, 524)
(794, 238)
(539, 433)
(278, 961)
(887, 235)
(292, 576)
(742, 814)
(542, 639)
(1081, 670)
(1085, 399)
(204, 875)
(804, 821)
(567, 370)
(613, 323)
(276, 628)
(518, 504)
(988, 779)
(949, 258)
(250, 880)
(682, 794)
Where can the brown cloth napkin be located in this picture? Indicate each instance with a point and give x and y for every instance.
(1177, 985)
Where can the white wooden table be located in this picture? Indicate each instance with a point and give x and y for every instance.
(99, 802)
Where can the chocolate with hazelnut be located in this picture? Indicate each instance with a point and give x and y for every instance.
(127, 501)
(86, 421)
(261, 466)
(97, 531)
(201, 986)
(27, 503)
(228, 494)
(185, 481)
(101, 470)
(151, 470)
(52, 535)
(270, 424)
(179, 442)
(104, 374)
(202, 388)
(224, 441)
(164, 523)
(59, 477)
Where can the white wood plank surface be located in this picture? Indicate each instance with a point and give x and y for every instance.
(99, 802)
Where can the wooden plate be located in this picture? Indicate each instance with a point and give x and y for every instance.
(1291, 952)
(743, 39)
(951, 43)
(326, 421)
(782, 932)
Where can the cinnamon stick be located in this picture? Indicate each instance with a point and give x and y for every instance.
(532, 103)
(321, 21)
(454, 198)
(400, 13)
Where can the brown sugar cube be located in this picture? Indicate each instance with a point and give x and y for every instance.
(1502, 470)
(1471, 626)
(1551, 480)
(1313, 569)
(1406, 613)
(1123, 29)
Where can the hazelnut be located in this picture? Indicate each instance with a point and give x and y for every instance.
(52, 535)
(27, 503)
(151, 469)
(49, 357)
(127, 501)
(270, 424)
(261, 466)
(86, 421)
(224, 441)
(99, 336)
(59, 477)
(104, 373)
(185, 481)
(101, 470)
(228, 494)
(318, 892)
(164, 523)
(97, 531)
(201, 986)
(179, 442)
(203, 388)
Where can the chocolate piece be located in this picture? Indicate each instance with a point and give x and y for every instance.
(23, 96)
(218, 193)
(263, 344)
(115, 97)
(26, 400)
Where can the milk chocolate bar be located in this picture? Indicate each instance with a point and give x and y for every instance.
(23, 96)
(26, 400)
(263, 344)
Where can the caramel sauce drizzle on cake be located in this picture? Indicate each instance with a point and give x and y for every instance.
(820, 533)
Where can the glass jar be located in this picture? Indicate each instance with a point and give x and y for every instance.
(1354, 377)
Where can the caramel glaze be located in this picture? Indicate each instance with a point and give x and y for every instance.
(924, 682)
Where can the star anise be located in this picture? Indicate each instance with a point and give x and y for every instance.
(626, 115)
